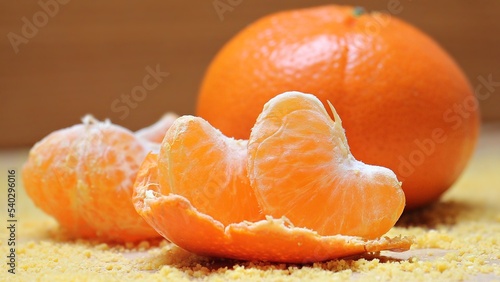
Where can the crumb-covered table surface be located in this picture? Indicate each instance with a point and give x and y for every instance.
(456, 239)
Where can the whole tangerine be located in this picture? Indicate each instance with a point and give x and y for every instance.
(405, 102)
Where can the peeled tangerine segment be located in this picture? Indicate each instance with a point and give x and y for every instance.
(300, 166)
(83, 176)
(317, 201)
(198, 162)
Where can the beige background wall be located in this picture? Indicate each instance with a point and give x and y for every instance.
(84, 56)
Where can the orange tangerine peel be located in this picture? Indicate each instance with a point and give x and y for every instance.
(269, 240)
(83, 176)
(165, 197)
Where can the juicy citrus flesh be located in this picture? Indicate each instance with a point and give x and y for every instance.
(46, 176)
(396, 89)
(193, 153)
(200, 163)
(300, 167)
(83, 176)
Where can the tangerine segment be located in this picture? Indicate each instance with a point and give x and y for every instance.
(270, 239)
(84, 175)
(301, 167)
(47, 177)
(147, 185)
(155, 132)
(198, 162)
(147, 177)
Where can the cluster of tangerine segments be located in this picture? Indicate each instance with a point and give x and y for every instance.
(83, 176)
(291, 193)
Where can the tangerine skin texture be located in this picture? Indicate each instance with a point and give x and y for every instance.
(266, 240)
(405, 103)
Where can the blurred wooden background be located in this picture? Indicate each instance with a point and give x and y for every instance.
(82, 56)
